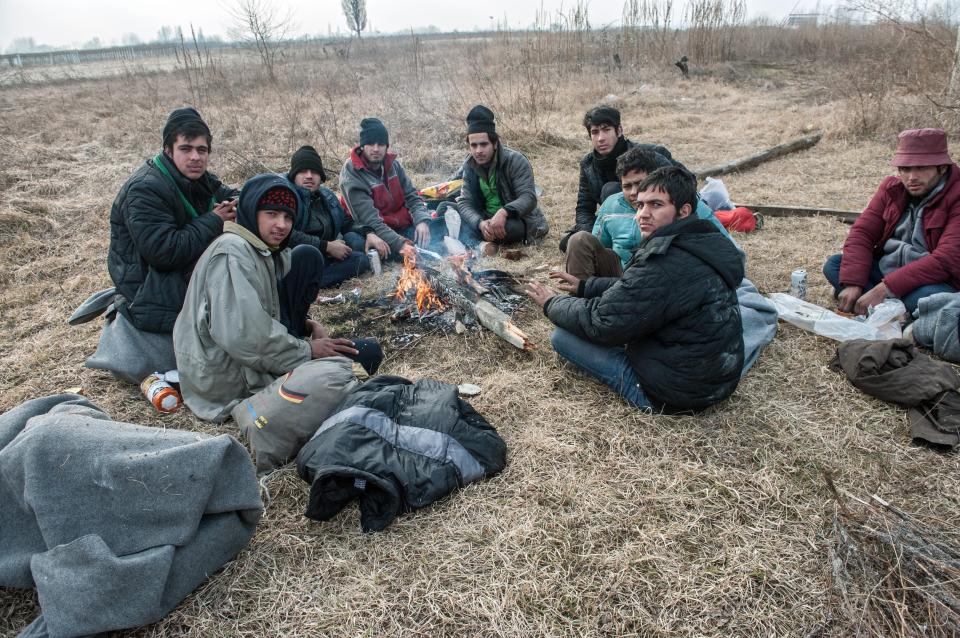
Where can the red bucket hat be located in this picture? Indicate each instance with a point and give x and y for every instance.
(921, 147)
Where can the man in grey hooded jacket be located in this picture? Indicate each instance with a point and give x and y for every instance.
(244, 321)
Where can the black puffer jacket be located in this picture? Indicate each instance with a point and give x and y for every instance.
(321, 219)
(591, 184)
(154, 243)
(395, 446)
(675, 308)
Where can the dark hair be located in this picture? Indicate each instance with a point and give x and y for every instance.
(188, 130)
(677, 182)
(600, 115)
(640, 159)
(494, 138)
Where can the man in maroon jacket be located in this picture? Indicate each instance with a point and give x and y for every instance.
(906, 243)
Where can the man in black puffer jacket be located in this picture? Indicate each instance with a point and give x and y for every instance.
(162, 220)
(666, 335)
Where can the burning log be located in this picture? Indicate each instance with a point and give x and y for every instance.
(467, 299)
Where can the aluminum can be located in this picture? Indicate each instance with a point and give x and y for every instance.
(798, 283)
(374, 257)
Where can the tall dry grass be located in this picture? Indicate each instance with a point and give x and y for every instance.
(605, 522)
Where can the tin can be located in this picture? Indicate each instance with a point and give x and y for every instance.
(161, 394)
(374, 258)
(798, 283)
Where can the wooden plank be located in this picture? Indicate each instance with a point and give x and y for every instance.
(783, 210)
(751, 161)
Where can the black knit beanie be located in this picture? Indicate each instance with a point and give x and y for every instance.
(480, 120)
(181, 116)
(305, 158)
(372, 131)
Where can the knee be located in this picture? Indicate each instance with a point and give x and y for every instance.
(581, 240)
(307, 256)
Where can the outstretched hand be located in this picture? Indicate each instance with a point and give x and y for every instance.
(539, 293)
(565, 281)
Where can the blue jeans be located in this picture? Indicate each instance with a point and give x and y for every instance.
(516, 232)
(336, 271)
(831, 270)
(610, 365)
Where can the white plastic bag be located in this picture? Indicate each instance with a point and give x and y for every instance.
(882, 323)
(715, 195)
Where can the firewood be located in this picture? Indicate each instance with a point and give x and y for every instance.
(756, 159)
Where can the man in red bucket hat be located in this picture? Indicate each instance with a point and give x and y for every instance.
(906, 243)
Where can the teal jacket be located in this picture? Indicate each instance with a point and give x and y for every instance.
(616, 225)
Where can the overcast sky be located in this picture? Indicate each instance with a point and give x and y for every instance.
(66, 23)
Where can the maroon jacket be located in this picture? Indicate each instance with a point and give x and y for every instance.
(941, 231)
(388, 205)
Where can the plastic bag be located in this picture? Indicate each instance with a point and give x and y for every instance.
(883, 321)
(714, 194)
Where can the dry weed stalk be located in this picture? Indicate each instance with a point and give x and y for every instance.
(895, 574)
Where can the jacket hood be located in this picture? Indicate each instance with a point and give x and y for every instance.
(701, 239)
(251, 193)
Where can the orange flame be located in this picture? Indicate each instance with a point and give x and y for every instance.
(412, 278)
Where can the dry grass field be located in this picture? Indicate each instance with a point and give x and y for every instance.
(605, 522)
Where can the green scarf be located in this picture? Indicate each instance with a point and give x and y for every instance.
(158, 162)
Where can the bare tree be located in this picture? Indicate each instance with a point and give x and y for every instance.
(260, 23)
(356, 14)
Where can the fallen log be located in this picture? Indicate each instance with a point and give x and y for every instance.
(756, 159)
(466, 299)
(781, 210)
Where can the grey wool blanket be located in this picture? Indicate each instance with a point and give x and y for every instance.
(115, 523)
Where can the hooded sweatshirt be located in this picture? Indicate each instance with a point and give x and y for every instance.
(228, 338)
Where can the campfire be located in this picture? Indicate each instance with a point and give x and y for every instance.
(413, 282)
(449, 295)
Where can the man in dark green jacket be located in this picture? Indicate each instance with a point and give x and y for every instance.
(667, 335)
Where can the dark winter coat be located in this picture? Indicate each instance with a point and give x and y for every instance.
(321, 219)
(675, 308)
(396, 446)
(154, 242)
(515, 186)
(591, 184)
(941, 232)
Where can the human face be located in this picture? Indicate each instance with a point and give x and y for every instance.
(656, 210)
(604, 138)
(919, 180)
(630, 184)
(308, 178)
(374, 153)
(274, 226)
(481, 148)
(190, 156)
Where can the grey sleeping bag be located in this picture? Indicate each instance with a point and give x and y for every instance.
(115, 523)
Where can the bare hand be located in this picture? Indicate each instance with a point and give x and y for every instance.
(486, 230)
(565, 281)
(316, 330)
(226, 210)
(338, 249)
(539, 293)
(498, 224)
(873, 297)
(327, 347)
(422, 234)
(847, 298)
(374, 241)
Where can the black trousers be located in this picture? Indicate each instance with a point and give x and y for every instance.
(299, 289)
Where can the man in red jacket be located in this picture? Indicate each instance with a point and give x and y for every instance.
(906, 243)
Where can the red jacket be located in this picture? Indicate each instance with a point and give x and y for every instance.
(941, 231)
